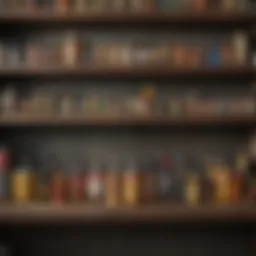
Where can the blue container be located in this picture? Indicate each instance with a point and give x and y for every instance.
(213, 57)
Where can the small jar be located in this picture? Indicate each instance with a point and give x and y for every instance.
(130, 185)
(95, 187)
(21, 185)
(113, 186)
(58, 187)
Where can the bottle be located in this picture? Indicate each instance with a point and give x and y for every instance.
(240, 45)
(95, 186)
(238, 178)
(58, 186)
(8, 101)
(70, 49)
(76, 180)
(130, 185)
(165, 179)
(22, 184)
(113, 185)
(149, 182)
(192, 189)
(228, 5)
(62, 5)
(4, 173)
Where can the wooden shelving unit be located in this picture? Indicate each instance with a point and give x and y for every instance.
(241, 121)
(210, 17)
(71, 214)
(127, 72)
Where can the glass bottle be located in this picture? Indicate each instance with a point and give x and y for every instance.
(21, 184)
(70, 49)
(113, 185)
(58, 187)
(130, 185)
(240, 45)
(8, 101)
(238, 178)
(95, 186)
(149, 182)
(192, 189)
(76, 186)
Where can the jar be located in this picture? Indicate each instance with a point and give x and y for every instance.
(95, 187)
(58, 187)
(113, 186)
(131, 185)
(21, 185)
(70, 50)
(192, 189)
(240, 46)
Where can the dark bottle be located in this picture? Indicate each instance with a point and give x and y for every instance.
(166, 180)
(149, 182)
(75, 184)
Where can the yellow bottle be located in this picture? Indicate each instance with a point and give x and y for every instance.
(130, 186)
(21, 186)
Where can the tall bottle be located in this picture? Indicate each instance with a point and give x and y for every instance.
(240, 46)
(131, 185)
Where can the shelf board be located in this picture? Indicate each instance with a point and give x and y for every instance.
(128, 121)
(150, 71)
(64, 214)
(186, 17)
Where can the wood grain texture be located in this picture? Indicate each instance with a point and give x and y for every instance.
(70, 214)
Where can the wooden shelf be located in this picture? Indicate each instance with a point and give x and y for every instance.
(56, 214)
(128, 72)
(186, 17)
(128, 121)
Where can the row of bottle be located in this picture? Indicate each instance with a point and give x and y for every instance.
(122, 5)
(70, 51)
(112, 184)
(144, 103)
